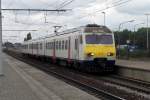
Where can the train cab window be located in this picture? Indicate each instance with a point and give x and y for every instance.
(66, 45)
(99, 39)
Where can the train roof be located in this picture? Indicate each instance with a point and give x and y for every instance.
(87, 29)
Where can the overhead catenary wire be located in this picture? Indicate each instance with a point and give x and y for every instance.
(112, 6)
(65, 3)
(48, 10)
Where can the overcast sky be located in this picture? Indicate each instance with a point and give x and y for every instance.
(82, 13)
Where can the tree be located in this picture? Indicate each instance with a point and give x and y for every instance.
(139, 38)
(123, 36)
(25, 39)
(29, 37)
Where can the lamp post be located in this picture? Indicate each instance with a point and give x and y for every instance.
(134, 31)
(104, 18)
(147, 15)
(130, 21)
(1, 73)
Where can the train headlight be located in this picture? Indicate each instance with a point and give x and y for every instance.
(110, 54)
(91, 54)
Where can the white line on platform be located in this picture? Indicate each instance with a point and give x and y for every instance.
(38, 88)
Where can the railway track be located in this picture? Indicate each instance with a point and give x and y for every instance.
(128, 82)
(89, 83)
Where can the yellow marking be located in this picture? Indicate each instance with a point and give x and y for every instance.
(100, 50)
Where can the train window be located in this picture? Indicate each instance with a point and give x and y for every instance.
(32, 46)
(37, 46)
(62, 45)
(52, 45)
(46, 46)
(56, 45)
(66, 44)
(40, 45)
(99, 39)
(49, 45)
(59, 45)
(81, 40)
(76, 44)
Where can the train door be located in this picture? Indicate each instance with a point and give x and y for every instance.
(69, 49)
(37, 48)
(54, 52)
(76, 48)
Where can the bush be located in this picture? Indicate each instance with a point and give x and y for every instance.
(139, 54)
(135, 54)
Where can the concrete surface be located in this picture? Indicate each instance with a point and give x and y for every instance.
(145, 65)
(134, 69)
(23, 82)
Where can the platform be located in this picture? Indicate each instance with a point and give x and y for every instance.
(24, 82)
(134, 69)
(143, 65)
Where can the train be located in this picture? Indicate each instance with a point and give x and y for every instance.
(90, 48)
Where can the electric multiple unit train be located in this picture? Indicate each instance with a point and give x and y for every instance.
(90, 48)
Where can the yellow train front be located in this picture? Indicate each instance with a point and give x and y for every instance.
(99, 49)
